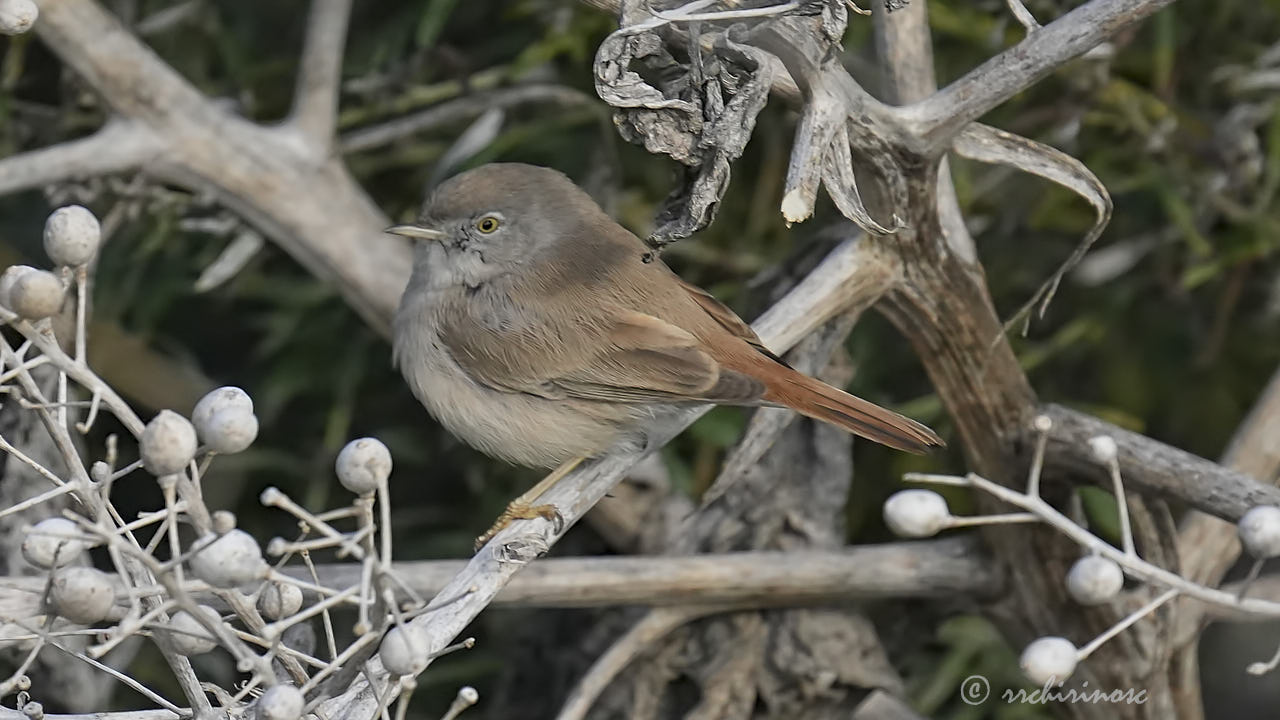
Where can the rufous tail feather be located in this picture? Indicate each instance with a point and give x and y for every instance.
(815, 399)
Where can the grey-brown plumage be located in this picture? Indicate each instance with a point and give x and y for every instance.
(533, 329)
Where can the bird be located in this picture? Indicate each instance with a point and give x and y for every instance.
(540, 331)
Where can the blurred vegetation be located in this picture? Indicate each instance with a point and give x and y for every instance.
(1171, 333)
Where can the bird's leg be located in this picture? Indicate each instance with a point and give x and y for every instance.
(522, 508)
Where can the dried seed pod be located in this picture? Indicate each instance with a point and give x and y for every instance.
(280, 702)
(363, 465)
(224, 419)
(230, 431)
(42, 549)
(36, 295)
(189, 637)
(224, 521)
(168, 444)
(231, 560)
(1259, 531)
(404, 650)
(72, 236)
(1049, 660)
(82, 595)
(916, 513)
(17, 16)
(7, 280)
(280, 600)
(1094, 579)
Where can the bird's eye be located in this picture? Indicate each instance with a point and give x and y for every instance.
(487, 224)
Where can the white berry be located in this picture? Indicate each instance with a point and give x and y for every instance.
(363, 465)
(916, 513)
(189, 637)
(280, 702)
(224, 420)
(1103, 448)
(230, 431)
(1094, 579)
(71, 236)
(82, 595)
(43, 550)
(404, 650)
(231, 560)
(279, 600)
(168, 444)
(36, 295)
(1049, 660)
(1260, 531)
(17, 16)
(7, 280)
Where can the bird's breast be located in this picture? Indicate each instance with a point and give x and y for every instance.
(517, 427)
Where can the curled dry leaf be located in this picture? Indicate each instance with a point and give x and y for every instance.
(701, 113)
(989, 145)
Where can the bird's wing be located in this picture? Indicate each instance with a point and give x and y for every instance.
(726, 318)
(601, 353)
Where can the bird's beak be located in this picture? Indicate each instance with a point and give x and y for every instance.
(415, 232)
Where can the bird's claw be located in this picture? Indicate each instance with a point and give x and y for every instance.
(520, 510)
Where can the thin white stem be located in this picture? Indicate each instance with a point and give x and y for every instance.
(1130, 619)
(384, 505)
(1023, 15)
(1252, 576)
(466, 697)
(127, 629)
(407, 686)
(143, 689)
(1134, 565)
(36, 500)
(94, 404)
(82, 304)
(1005, 519)
(42, 470)
(274, 629)
(338, 662)
(1042, 426)
(1122, 506)
(273, 497)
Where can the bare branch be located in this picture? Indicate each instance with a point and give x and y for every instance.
(937, 119)
(955, 566)
(119, 146)
(312, 208)
(905, 52)
(1153, 466)
(315, 101)
(1208, 546)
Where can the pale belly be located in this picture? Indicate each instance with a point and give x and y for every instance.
(516, 427)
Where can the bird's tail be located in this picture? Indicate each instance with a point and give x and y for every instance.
(820, 401)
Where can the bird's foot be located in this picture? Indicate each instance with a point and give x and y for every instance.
(521, 510)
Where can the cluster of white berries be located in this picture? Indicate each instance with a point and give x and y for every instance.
(175, 449)
(1092, 580)
(71, 239)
